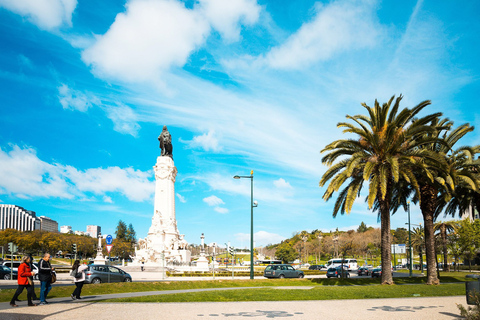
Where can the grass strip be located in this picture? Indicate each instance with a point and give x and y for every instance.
(122, 287)
(317, 293)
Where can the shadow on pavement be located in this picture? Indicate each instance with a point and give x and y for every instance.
(29, 316)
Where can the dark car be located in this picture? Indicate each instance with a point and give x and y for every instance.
(5, 273)
(363, 271)
(336, 272)
(282, 271)
(377, 273)
(316, 267)
(96, 273)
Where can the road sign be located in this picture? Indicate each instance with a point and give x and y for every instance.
(109, 239)
(109, 247)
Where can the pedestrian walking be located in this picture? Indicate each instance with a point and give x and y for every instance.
(24, 279)
(34, 296)
(45, 271)
(78, 273)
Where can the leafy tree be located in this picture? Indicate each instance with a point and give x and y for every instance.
(286, 253)
(401, 235)
(469, 233)
(130, 234)
(121, 231)
(362, 228)
(454, 247)
(385, 153)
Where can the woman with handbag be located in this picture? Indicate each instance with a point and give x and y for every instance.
(25, 281)
(78, 274)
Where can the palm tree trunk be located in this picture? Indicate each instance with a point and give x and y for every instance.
(443, 231)
(427, 205)
(387, 277)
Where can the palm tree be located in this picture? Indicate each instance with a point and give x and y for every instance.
(386, 152)
(418, 242)
(450, 169)
(444, 228)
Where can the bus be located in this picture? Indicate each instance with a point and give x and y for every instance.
(351, 264)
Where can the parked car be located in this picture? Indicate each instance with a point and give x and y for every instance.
(316, 267)
(5, 273)
(14, 266)
(336, 272)
(96, 273)
(377, 273)
(282, 271)
(35, 268)
(363, 271)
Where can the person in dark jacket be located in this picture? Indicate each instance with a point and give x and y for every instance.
(45, 275)
(34, 296)
(24, 273)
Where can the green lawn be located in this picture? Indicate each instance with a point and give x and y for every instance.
(353, 286)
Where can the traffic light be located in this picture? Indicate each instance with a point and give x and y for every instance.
(10, 247)
(231, 251)
(74, 248)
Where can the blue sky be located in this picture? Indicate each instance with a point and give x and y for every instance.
(86, 86)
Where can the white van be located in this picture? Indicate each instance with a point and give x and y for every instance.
(351, 264)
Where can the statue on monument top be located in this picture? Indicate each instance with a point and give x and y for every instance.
(165, 143)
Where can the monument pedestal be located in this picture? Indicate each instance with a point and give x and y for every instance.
(163, 244)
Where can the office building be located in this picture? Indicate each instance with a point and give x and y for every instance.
(94, 231)
(15, 217)
(47, 224)
(66, 229)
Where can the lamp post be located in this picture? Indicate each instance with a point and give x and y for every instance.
(252, 205)
(409, 242)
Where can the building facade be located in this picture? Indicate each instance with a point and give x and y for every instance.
(47, 224)
(66, 229)
(15, 217)
(94, 231)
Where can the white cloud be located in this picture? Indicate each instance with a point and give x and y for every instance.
(337, 27)
(73, 99)
(225, 16)
(213, 201)
(207, 141)
(24, 175)
(221, 210)
(124, 119)
(134, 184)
(46, 14)
(282, 184)
(107, 199)
(261, 238)
(181, 198)
(146, 40)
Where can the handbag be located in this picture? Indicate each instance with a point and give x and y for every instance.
(78, 275)
(30, 281)
(54, 278)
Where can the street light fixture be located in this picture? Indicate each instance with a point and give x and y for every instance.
(253, 204)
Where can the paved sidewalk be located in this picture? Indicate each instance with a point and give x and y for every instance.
(437, 308)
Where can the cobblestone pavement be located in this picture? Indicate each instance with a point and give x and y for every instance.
(436, 308)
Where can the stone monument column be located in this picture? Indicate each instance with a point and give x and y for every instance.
(164, 206)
